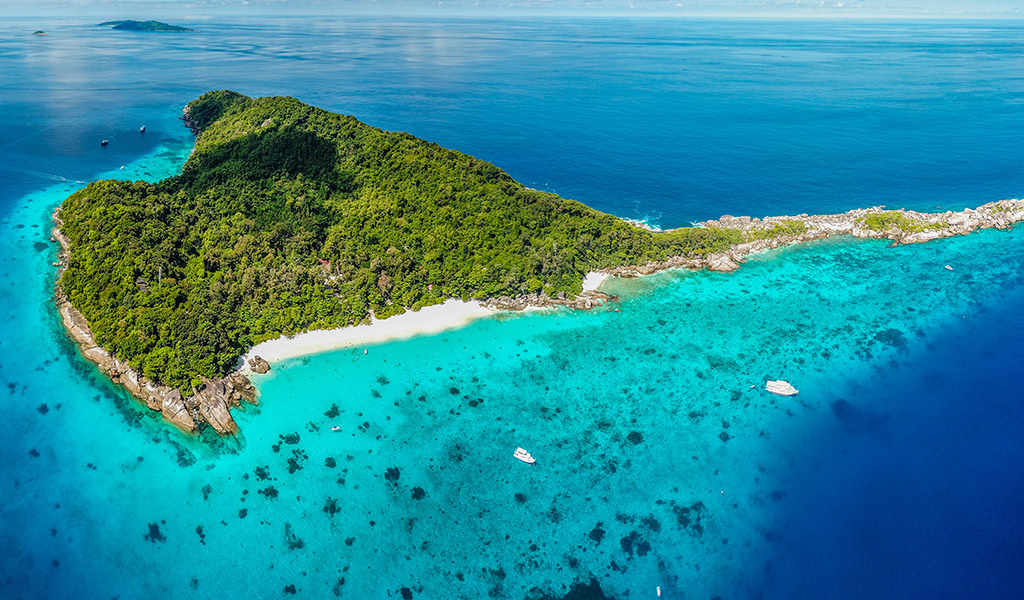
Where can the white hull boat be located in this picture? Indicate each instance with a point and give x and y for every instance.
(524, 456)
(781, 388)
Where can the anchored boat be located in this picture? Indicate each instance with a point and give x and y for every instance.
(524, 456)
(781, 388)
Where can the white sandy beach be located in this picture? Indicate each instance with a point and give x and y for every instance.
(431, 319)
(593, 280)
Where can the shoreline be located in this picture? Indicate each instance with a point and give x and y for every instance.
(451, 314)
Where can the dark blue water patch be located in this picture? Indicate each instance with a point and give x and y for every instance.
(916, 488)
(857, 419)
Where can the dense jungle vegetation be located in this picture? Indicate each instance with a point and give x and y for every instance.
(287, 217)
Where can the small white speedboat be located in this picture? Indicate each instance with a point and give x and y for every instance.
(949, 268)
(781, 388)
(524, 456)
(335, 428)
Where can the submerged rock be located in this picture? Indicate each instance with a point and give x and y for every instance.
(579, 591)
(154, 534)
(855, 419)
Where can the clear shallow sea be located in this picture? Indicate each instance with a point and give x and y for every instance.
(898, 471)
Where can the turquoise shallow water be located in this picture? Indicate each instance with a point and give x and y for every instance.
(660, 461)
(897, 472)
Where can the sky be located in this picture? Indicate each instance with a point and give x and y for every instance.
(765, 8)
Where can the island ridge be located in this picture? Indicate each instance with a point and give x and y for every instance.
(130, 25)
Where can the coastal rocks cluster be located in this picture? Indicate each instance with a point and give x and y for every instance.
(258, 365)
(210, 403)
(186, 117)
(586, 300)
(905, 226)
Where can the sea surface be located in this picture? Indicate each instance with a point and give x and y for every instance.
(898, 472)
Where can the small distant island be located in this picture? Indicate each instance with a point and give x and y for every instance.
(129, 25)
(287, 218)
(40, 32)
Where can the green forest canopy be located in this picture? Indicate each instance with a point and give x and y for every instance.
(287, 217)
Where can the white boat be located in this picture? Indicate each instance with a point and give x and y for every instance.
(781, 388)
(949, 268)
(142, 129)
(524, 456)
(335, 428)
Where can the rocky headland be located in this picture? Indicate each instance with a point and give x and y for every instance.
(899, 226)
(210, 403)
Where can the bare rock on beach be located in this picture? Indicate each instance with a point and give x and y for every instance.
(258, 365)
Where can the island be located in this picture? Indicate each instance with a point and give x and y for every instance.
(144, 26)
(39, 32)
(287, 219)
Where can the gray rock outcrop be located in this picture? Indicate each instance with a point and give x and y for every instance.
(258, 365)
(586, 300)
(212, 403)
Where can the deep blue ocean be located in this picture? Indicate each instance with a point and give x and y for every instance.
(898, 472)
